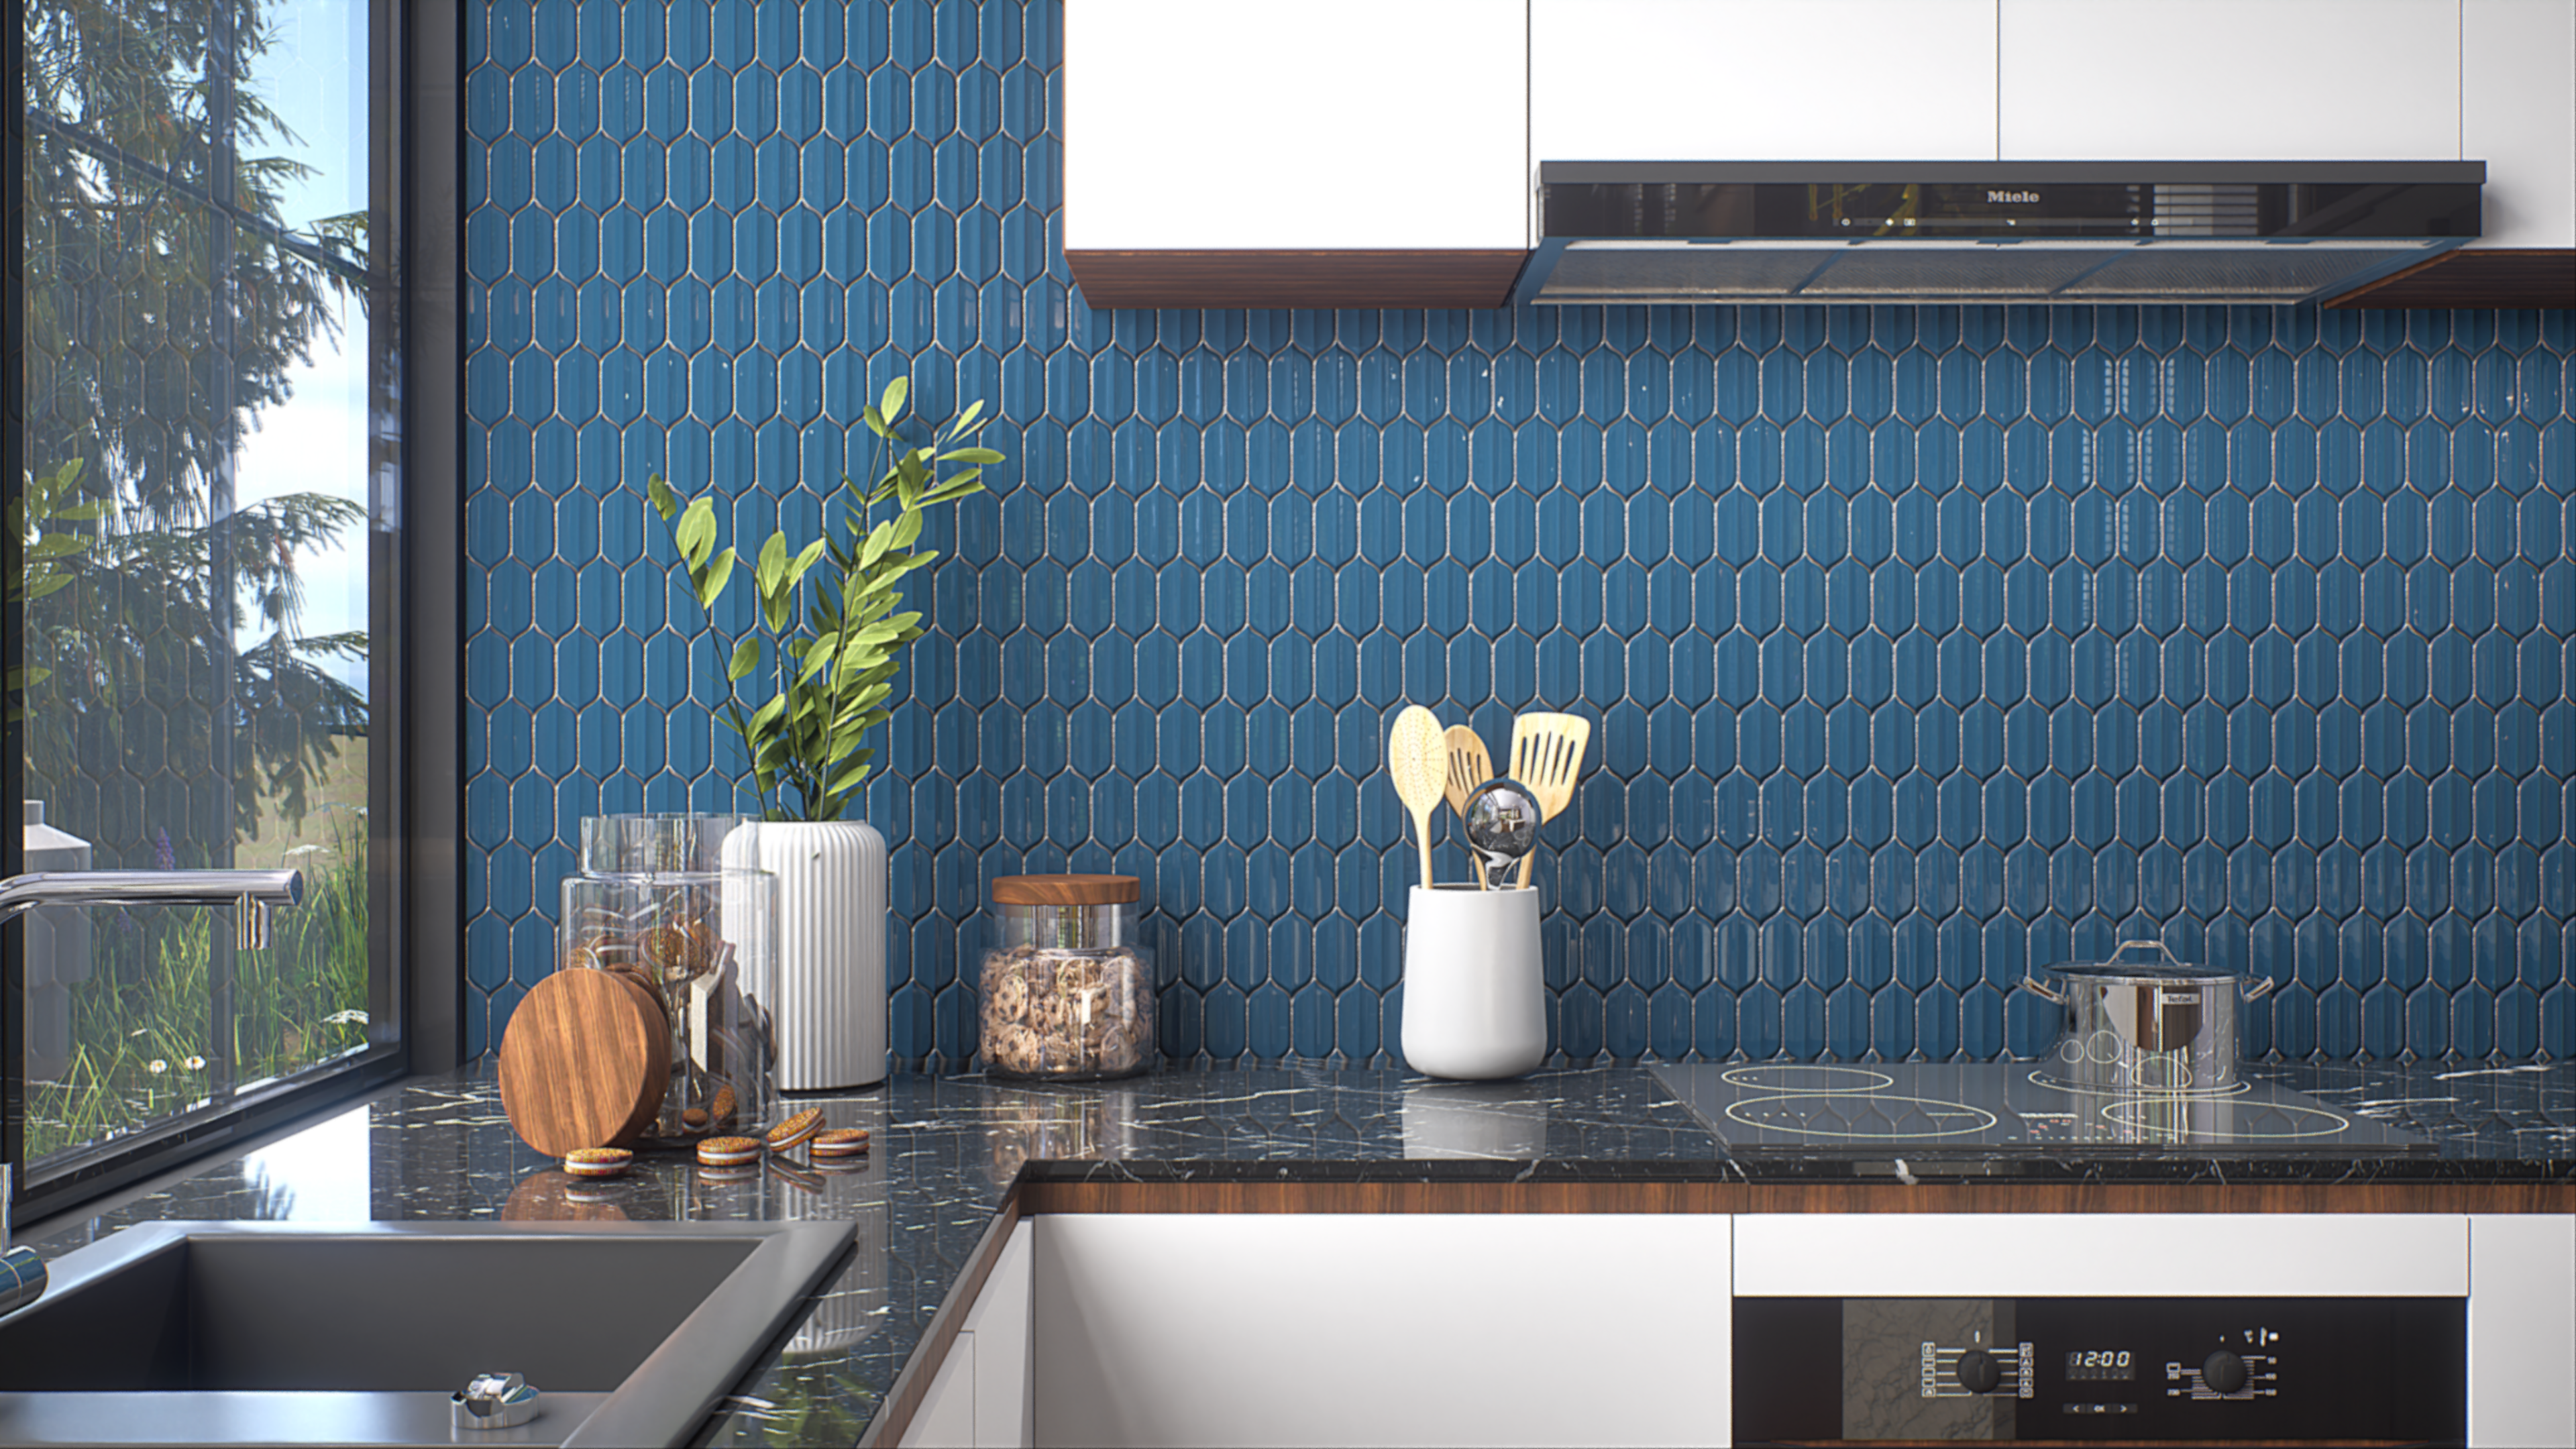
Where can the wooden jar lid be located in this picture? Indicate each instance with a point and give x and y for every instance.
(585, 1062)
(1063, 890)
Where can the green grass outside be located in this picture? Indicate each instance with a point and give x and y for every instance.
(141, 1034)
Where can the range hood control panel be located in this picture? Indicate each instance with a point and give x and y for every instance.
(2181, 1370)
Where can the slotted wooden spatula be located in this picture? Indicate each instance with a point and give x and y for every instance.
(1547, 757)
(1415, 759)
(1469, 767)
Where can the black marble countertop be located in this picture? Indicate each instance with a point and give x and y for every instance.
(947, 1150)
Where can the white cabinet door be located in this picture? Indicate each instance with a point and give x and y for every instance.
(1762, 80)
(981, 1397)
(1225, 1329)
(2522, 1329)
(946, 1418)
(1004, 1349)
(1326, 124)
(2230, 80)
(2518, 115)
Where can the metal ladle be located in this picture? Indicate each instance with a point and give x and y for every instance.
(1502, 819)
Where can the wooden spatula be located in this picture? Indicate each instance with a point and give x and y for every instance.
(1547, 757)
(1469, 767)
(1415, 759)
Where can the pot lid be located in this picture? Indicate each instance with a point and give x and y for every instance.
(2140, 971)
(2168, 969)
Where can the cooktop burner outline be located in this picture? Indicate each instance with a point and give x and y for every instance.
(2236, 1133)
(1752, 1077)
(1989, 1120)
(2180, 1094)
(2010, 1109)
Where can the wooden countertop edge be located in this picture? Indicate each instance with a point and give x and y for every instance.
(1738, 1197)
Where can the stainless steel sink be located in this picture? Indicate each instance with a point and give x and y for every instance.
(248, 1333)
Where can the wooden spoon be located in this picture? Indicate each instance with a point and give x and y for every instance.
(1469, 767)
(1547, 757)
(1415, 757)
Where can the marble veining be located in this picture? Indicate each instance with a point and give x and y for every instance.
(948, 1150)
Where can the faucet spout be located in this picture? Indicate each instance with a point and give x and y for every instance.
(255, 891)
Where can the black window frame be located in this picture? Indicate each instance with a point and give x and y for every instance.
(415, 543)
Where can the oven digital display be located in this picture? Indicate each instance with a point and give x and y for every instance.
(2094, 1364)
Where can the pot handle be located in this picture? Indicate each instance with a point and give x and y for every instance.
(2034, 985)
(2261, 987)
(2151, 944)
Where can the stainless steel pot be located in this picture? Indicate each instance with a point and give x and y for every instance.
(2145, 1026)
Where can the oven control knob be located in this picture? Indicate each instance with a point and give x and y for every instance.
(1978, 1372)
(2224, 1372)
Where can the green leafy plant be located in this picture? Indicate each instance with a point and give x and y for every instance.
(811, 677)
(47, 498)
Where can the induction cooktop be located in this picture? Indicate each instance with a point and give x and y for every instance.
(1924, 1110)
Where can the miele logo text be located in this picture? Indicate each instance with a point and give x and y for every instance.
(2018, 198)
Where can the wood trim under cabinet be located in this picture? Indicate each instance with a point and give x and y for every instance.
(2493, 277)
(1739, 1197)
(1351, 278)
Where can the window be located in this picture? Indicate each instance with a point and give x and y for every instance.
(207, 457)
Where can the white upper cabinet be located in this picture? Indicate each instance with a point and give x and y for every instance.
(1762, 80)
(2231, 80)
(1327, 124)
(2518, 115)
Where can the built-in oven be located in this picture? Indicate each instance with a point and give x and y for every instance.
(2054, 1369)
(2289, 1328)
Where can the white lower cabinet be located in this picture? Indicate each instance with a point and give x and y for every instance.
(1382, 1329)
(1433, 1329)
(2522, 1329)
(981, 1397)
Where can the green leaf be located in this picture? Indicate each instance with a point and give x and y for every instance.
(746, 657)
(773, 564)
(711, 584)
(695, 533)
(763, 718)
(967, 418)
(880, 538)
(665, 502)
(891, 405)
(804, 561)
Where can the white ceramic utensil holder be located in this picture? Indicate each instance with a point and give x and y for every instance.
(1475, 993)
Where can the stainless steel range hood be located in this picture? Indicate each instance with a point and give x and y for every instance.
(1624, 232)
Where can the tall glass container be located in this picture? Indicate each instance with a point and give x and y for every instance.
(657, 905)
(1068, 984)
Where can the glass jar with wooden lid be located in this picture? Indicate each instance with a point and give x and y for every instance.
(1068, 982)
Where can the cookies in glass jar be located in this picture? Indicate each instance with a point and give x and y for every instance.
(1067, 1013)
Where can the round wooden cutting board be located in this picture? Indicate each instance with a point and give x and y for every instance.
(584, 1062)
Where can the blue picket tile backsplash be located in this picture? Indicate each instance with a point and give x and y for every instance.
(1927, 646)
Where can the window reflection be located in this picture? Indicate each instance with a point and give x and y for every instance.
(201, 376)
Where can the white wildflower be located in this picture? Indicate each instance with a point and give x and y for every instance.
(352, 1017)
(195, 1064)
(157, 1066)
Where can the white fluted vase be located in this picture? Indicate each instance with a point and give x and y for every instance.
(826, 994)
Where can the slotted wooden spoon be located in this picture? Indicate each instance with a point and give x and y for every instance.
(1547, 758)
(1415, 758)
(1469, 767)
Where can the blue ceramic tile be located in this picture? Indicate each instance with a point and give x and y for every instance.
(2160, 616)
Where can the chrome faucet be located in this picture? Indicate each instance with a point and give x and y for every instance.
(254, 892)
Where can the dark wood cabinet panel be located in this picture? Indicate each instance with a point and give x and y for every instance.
(2498, 277)
(1251, 278)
